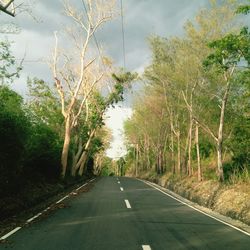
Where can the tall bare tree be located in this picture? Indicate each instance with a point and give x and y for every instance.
(71, 75)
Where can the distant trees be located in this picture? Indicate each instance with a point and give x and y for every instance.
(194, 87)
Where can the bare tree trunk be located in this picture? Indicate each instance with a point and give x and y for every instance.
(198, 151)
(65, 151)
(76, 157)
(189, 167)
(84, 159)
(83, 155)
(172, 152)
(178, 153)
(220, 171)
(148, 158)
(137, 159)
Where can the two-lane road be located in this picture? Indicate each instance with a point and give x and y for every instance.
(125, 213)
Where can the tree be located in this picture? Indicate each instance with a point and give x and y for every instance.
(227, 54)
(14, 129)
(183, 96)
(75, 80)
(9, 70)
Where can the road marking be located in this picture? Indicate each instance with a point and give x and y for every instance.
(146, 247)
(82, 186)
(10, 233)
(34, 217)
(37, 215)
(46, 209)
(198, 210)
(127, 204)
(121, 188)
(119, 182)
(65, 197)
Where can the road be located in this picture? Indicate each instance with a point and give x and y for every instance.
(125, 214)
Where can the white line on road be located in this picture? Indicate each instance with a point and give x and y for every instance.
(211, 216)
(121, 188)
(34, 217)
(10, 233)
(127, 204)
(46, 209)
(119, 182)
(37, 215)
(82, 186)
(62, 199)
(146, 247)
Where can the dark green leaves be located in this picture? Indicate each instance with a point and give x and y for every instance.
(229, 50)
(243, 9)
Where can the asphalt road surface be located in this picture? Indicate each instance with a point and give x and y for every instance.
(123, 214)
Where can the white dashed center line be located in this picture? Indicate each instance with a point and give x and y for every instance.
(119, 182)
(121, 188)
(127, 204)
(146, 247)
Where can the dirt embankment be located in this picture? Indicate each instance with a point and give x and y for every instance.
(229, 200)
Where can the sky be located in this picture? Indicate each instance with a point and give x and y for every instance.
(142, 18)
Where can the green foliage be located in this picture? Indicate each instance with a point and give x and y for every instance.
(29, 148)
(206, 149)
(229, 50)
(14, 128)
(44, 104)
(185, 83)
(8, 67)
(122, 80)
(106, 168)
(43, 152)
(243, 9)
(240, 144)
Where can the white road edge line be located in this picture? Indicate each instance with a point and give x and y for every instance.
(34, 217)
(10, 233)
(121, 188)
(211, 216)
(82, 186)
(37, 215)
(146, 247)
(65, 197)
(127, 204)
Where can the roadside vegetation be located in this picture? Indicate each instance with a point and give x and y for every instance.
(55, 136)
(191, 122)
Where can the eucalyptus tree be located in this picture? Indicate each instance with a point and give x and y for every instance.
(98, 107)
(228, 52)
(75, 72)
(188, 94)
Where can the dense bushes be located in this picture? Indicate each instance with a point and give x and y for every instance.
(29, 149)
(43, 151)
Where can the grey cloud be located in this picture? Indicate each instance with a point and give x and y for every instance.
(141, 19)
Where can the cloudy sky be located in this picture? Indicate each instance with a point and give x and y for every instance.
(142, 18)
